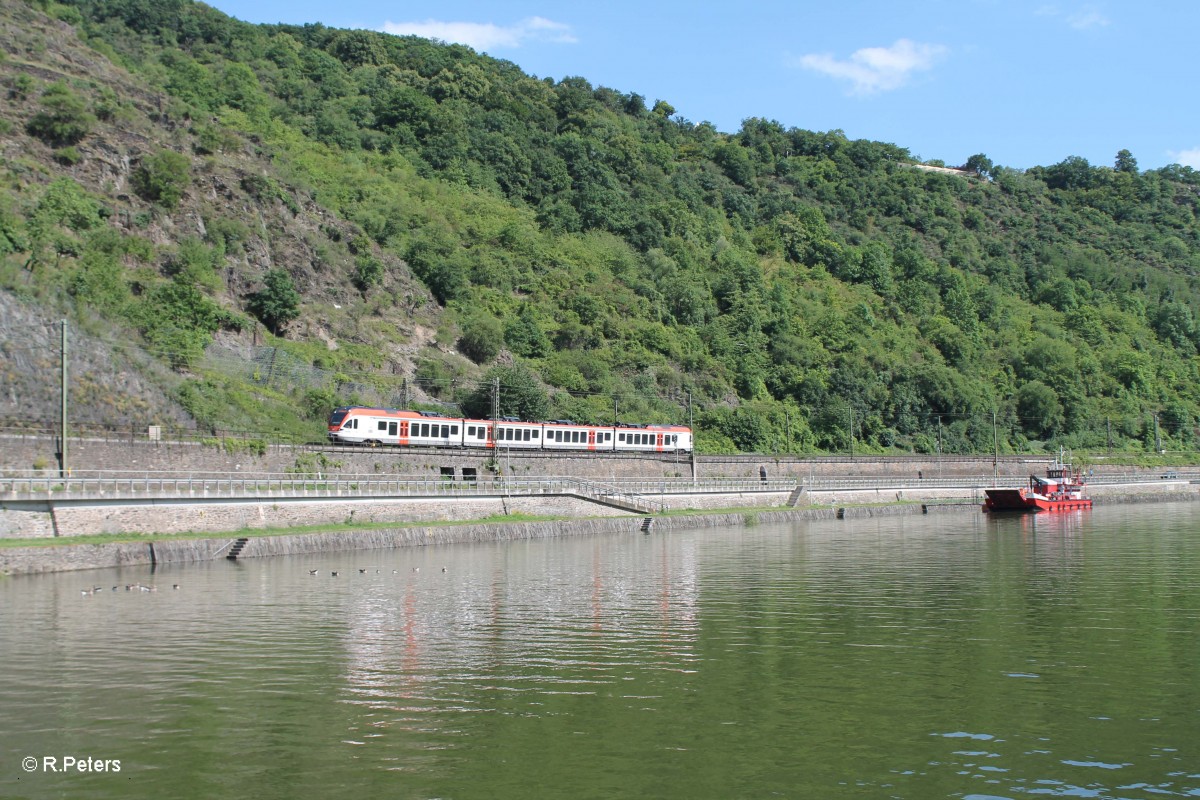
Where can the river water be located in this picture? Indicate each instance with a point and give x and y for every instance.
(957, 656)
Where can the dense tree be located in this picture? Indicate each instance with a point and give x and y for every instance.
(619, 250)
(1125, 162)
(163, 177)
(516, 391)
(278, 302)
(63, 119)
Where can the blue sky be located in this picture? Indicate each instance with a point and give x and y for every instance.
(1025, 82)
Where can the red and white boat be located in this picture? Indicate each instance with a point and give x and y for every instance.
(1061, 490)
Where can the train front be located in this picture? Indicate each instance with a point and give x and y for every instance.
(336, 418)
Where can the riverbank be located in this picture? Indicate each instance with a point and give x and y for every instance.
(153, 551)
(168, 549)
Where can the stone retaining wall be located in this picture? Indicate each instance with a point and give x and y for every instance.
(41, 519)
(38, 519)
(56, 558)
(29, 560)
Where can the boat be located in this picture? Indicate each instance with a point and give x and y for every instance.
(1062, 489)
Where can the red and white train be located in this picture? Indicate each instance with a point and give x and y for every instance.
(390, 426)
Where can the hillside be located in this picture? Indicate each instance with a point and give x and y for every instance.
(259, 222)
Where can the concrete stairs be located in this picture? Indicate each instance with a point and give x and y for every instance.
(236, 550)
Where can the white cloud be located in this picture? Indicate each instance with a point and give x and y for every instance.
(1082, 19)
(877, 69)
(1186, 158)
(1087, 17)
(485, 36)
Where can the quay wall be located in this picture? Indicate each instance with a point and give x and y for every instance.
(66, 518)
(824, 505)
(58, 558)
(42, 519)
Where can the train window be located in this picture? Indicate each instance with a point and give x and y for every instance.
(534, 434)
(482, 434)
(526, 434)
(470, 430)
(445, 431)
(391, 429)
(620, 437)
(454, 430)
(424, 429)
(576, 436)
(382, 425)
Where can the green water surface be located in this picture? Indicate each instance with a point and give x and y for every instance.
(955, 656)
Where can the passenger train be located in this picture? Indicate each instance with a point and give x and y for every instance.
(390, 426)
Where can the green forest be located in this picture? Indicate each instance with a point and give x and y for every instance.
(437, 219)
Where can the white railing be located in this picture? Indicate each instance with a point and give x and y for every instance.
(121, 485)
(641, 493)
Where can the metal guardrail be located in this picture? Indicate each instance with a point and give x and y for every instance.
(638, 495)
(984, 481)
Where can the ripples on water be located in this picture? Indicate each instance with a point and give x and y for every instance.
(956, 656)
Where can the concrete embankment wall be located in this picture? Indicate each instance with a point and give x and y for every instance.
(57, 558)
(45, 519)
(30, 560)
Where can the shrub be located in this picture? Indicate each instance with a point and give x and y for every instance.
(64, 118)
(481, 339)
(368, 272)
(278, 302)
(162, 178)
(67, 156)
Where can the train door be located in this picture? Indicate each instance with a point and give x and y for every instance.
(658, 439)
(403, 432)
(591, 440)
(491, 434)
